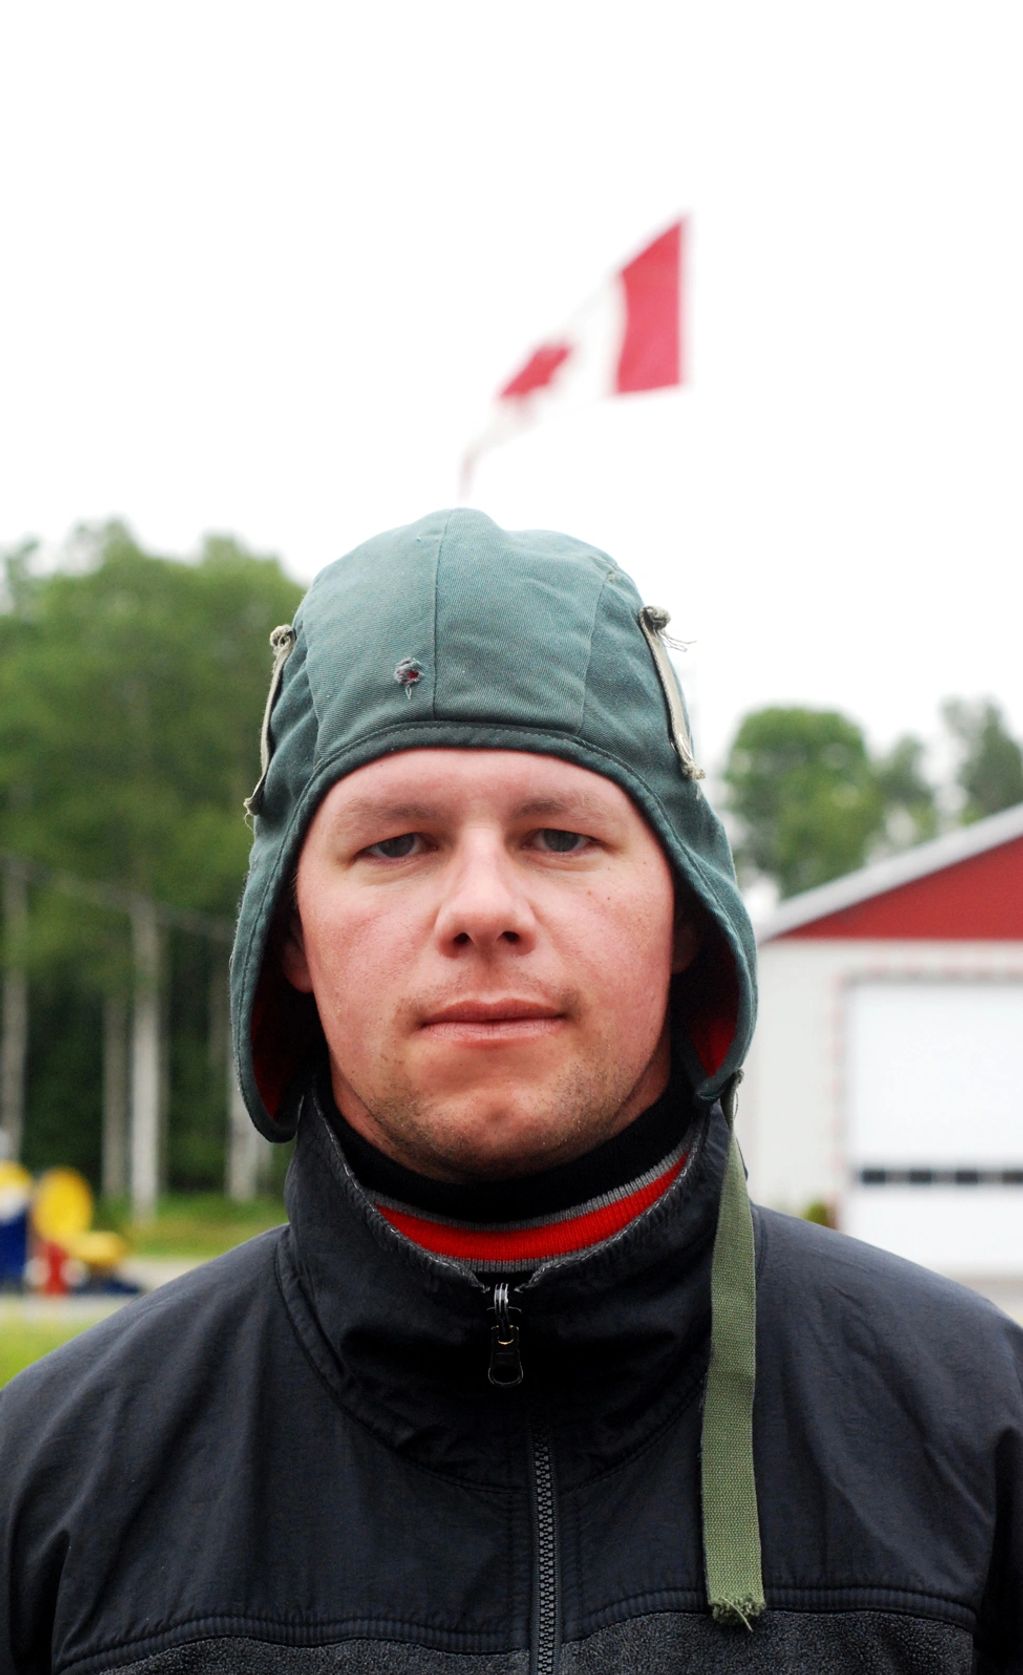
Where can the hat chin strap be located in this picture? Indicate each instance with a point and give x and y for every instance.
(731, 1524)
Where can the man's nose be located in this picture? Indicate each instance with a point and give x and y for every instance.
(485, 902)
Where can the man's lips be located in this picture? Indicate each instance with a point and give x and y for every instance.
(490, 1011)
(491, 1020)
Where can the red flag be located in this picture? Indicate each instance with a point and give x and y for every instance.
(628, 337)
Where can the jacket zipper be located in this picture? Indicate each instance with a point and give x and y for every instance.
(545, 1636)
(505, 1355)
(506, 1371)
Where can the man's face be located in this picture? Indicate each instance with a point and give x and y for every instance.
(489, 937)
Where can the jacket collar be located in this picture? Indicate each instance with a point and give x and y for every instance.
(612, 1338)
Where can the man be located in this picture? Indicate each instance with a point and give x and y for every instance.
(487, 1407)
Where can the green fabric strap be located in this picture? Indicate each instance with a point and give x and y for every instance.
(731, 1527)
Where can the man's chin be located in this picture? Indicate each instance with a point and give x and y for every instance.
(491, 1128)
(499, 1144)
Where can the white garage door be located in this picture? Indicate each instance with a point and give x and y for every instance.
(934, 1122)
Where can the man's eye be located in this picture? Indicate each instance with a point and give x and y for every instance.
(396, 848)
(557, 842)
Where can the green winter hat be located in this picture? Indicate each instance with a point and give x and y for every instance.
(453, 632)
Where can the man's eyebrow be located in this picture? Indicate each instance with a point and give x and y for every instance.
(373, 809)
(578, 804)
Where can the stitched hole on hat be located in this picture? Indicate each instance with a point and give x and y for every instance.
(408, 674)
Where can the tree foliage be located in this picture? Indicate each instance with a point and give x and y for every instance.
(805, 795)
(810, 801)
(910, 799)
(989, 771)
(130, 692)
(131, 688)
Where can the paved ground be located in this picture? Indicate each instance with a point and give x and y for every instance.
(149, 1272)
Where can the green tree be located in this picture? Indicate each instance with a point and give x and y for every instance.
(805, 797)
(989, 772)
(130, 692)
(131, 688)
(911, 809)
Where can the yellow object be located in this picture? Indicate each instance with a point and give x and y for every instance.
(98, 1251)
(15, 1189)
(13, 1178)
(61, 1206)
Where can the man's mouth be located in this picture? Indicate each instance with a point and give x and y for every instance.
(508, 1019)
(490, 1011)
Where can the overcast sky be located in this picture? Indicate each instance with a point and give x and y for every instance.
(264, 265)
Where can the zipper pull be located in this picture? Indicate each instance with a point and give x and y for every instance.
(505, 1357)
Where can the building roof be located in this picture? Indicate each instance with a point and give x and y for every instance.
(924, 910)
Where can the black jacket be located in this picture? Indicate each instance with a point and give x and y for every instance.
(293, 1461)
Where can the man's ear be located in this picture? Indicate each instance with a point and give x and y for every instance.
(292, 955)
(688, 936)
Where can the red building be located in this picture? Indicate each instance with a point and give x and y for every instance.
(885, 1079)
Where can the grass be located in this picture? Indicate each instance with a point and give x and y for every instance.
(187, 1227)
(25, 1341)
(194, 1225)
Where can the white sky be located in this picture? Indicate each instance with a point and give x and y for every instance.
(264, 265)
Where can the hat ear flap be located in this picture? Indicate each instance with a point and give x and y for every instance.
(705, 1001)
(294, 964)
(285, 1025)
(687, 938)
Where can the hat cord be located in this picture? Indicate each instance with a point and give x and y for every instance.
(282, 644)
(731, 1524)
(653, 620)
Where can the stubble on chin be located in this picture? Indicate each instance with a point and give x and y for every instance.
(486, 1136)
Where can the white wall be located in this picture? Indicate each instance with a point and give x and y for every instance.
(793, 1103)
